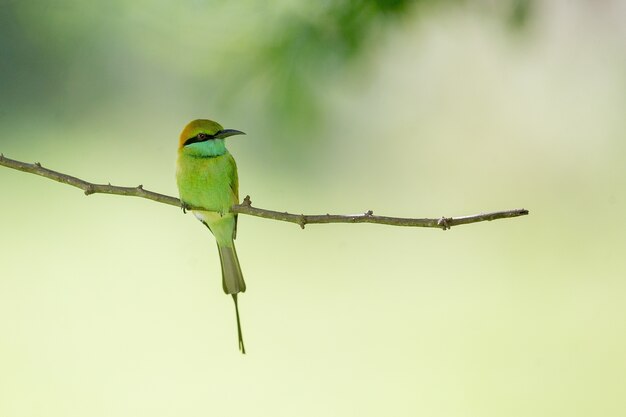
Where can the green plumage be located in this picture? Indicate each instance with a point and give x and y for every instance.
(206, 175)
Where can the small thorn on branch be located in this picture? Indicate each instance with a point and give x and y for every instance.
(140, 187)
(369, 213)
(443, 223)
(38, 164)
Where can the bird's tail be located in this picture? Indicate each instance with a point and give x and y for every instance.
(232, 278)
(232, 281)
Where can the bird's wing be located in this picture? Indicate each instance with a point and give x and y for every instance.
(234, 187)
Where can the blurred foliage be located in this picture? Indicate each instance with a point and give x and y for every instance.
(521, 11)
(72, 55)
(311, 47)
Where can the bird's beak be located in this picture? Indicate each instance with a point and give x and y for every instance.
(228, 132)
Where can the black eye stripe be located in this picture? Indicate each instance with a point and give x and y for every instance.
(200, 137)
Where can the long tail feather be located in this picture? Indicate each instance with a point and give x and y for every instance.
(232, 281)
(242, 348)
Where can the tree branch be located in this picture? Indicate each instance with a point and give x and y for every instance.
(246, 206)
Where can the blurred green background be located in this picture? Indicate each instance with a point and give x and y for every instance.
(112, 306)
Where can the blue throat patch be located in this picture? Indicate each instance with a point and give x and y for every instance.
(206, 149)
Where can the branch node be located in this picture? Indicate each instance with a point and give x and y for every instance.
(140, 187)
(246, 201)
(369, 213)
(302, 221)
(89, 190)
(38, 164)
(443, 223)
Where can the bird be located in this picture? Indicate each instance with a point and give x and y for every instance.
(206, 176)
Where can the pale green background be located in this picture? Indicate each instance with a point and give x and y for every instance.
(112, 306)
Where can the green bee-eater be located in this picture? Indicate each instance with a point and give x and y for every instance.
(206, 175)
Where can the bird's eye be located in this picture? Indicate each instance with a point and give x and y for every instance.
(202, 136)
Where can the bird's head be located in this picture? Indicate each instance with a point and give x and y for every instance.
(204, 138)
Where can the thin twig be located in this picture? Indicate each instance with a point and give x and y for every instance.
(246, 206)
